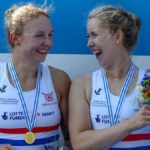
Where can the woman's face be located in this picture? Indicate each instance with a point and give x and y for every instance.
(101, 42)
(36, 39)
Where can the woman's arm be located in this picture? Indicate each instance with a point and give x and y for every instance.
(83, 137)
(6, 147)
(62, 86)
(64, 92)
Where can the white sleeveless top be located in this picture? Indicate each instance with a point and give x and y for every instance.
(100, 116)
(12, 119)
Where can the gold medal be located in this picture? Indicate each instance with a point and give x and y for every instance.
(29, 137)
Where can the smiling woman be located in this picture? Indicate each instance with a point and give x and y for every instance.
(31, 89)
(104, 108)
(37, 38)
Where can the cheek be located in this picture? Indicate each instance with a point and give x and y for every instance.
(102, 42)
(33, 45)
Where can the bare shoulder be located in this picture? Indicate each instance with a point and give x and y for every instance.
(59, 75)
(79, 108)
(83, 85)
(61, 81)
(83, 80)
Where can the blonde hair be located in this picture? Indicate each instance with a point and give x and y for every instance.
(18, 16)
(114, 18)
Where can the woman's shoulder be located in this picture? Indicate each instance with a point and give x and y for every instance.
(57, 72)
(86, 79)
(59, 76)
(82, 83)
(83, 86)
(83, 79)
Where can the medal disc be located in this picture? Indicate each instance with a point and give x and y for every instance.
(29, 137)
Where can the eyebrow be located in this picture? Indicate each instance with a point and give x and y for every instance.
(41, 31)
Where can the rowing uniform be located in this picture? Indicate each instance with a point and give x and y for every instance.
(12, 119)
(137, 140)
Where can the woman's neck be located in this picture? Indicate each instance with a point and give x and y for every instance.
(27, 75)
(24, 69)
(119, 71)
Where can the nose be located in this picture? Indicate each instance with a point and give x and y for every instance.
(47, 42)
(90, 43)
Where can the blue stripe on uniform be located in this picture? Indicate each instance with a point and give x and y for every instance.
(135, 148)
(37, 142)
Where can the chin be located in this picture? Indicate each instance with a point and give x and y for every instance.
(101, 64)
(42, 60)
(104, 65)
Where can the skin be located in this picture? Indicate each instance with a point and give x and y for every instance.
(6, 147)
(110, 56)
(31, 48)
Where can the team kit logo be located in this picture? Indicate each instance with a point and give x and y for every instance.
(13, 116)
(49, 98)
(98, 91)
(3, 89)
(102, 119)
(20, 115)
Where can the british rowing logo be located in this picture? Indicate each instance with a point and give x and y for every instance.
(49, 98)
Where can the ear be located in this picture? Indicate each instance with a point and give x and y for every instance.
(13, 38)
(119, 36)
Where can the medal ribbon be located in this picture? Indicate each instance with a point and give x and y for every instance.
(114, 119)
(29, 123)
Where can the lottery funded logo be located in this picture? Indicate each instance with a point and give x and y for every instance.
(13, 116)
(102, 119)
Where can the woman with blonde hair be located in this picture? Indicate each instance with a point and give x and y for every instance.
(104, 107)
(33, 101)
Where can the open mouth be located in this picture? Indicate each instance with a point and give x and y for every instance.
(41, 51)
(97, 53)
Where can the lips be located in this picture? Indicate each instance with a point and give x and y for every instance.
(97, 52)
(41, 51)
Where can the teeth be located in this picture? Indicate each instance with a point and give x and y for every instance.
(41, 51)
(97, 52)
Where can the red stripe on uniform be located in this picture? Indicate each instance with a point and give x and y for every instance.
(24, 130)
(136, 137)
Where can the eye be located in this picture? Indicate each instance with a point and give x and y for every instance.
(50, 35)
(94, 34)
(39, 35)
